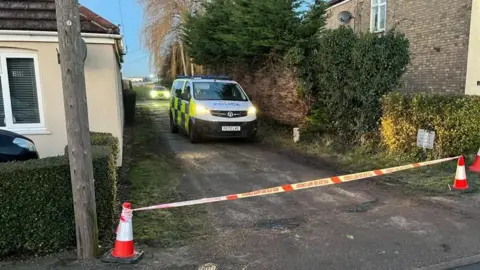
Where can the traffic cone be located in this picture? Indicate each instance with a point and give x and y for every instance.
(475, 167)
(460, 182)
(124, 250)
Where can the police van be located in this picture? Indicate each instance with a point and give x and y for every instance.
(211, 107)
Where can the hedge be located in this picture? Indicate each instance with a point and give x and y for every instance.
(105, 139)
(37, 207)
(455, 119)
(352, 73)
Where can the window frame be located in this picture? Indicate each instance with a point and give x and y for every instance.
(9, 124)
(372, 18)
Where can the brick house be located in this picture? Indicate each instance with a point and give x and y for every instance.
(444, 38)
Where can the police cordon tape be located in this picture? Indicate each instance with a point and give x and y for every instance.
(298, 186)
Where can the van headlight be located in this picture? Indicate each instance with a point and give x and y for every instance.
(153, 94)
(25, 144)
(252, 110)
(201, 110)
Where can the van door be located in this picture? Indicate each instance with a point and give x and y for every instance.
(176, 102)
(185, 108)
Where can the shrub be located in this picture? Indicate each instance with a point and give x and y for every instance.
(353, 71)
(454, 119)
(37, 206)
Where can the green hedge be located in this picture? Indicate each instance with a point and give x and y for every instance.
(105, 139)
(455, 119)
(37, 207)
(353, 71)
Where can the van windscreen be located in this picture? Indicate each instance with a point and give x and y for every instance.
(218, 91)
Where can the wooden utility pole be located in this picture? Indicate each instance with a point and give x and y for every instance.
(76, 113)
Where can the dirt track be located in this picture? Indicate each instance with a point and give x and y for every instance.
(353, 226)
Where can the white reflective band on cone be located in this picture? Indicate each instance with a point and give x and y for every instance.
(125, 230)
(461, 174)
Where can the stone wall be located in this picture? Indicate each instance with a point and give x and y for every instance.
(274, 92)
(438, 32)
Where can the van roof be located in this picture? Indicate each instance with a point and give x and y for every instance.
(206, 77)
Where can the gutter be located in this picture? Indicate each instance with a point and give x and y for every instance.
(118, 38)
(51, 33)
(338, 4)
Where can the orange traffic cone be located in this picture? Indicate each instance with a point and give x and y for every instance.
(475, 167)
(124, 250)
(460, 182)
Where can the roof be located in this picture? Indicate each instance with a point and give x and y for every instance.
(39, 15)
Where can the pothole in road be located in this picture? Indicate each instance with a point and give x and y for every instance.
(281, 225)
(362, 207)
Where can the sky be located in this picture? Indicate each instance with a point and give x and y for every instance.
(136, 62)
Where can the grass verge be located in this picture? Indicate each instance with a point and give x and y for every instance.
(155, 178)
(432, 179)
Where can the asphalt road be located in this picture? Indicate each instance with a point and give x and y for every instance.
(357, 225)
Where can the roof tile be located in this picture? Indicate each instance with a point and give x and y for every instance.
(39, 15)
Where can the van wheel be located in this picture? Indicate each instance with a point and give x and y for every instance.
(193, 134)
(173, 127)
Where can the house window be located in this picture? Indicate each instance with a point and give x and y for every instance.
(20, 99)
(378, 16)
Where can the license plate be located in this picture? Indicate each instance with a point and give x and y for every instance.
(230, 128)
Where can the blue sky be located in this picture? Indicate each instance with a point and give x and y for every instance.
(136, 61)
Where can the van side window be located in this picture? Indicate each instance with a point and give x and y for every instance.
(186, 93)
(178, 88)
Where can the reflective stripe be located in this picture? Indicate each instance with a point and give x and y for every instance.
(175, 115)
(182, 118)
(187, 109)
(461, 174)
(181, 111)
(191, 108)
(175, 103)
(125, 232)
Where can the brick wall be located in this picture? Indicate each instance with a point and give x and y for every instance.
(438, 32)
(331, 14)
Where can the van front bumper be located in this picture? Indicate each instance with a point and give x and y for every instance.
(211, 129)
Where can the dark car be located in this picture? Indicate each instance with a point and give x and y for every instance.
(15, 147)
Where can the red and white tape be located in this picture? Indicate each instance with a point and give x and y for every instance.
(303, 185)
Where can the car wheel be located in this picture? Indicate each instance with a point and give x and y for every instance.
(193, 134)
(173, 127)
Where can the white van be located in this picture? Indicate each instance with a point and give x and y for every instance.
(209, 106)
